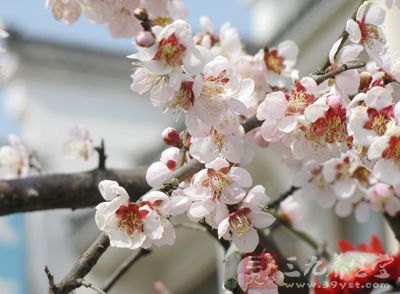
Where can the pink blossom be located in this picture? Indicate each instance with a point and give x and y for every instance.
(160, 171)
(279, 62)
(79, 143)
(67, 10)
(322, 131)
(174, 47)
(366, 29)
(281, 110)
(371, 119)
(98, 11)
(291, 211)
(385, 150)
(383, 198)
(346, 83)
(241, 225)
(214, 187)
(133, 225)
(14, 159)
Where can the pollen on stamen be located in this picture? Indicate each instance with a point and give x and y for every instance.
(273, 61)
(129, 219)
(240, 224)
(170, 51)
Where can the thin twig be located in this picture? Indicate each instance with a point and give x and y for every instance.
(316, 245)
(344, 67)
(50, 277)
(275, 203)
(123, 268)
(101, 150)
(344, 36)
(86, 284)
(82, 266)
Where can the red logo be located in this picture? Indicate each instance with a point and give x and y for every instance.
(258, 271)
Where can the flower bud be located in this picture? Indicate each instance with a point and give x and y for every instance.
(365, 80)
(141, 14)
(171, 137)
(145, 38)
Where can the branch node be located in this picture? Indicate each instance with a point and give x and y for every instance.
(50, 277)
(101, 150)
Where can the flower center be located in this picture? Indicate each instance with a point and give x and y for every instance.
(393, 150)
(217, 138)
(240, 224)
(343, 169)
(130, 219)
(185, 97)
(370, 33)
(218, 180)
(170, 51)
(378, 120)
(214, 85)
(273, 61)
(331, 127)
(298, 99)
(319, 181)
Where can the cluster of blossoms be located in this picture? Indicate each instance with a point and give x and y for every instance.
(118, 14)
(344, 129)
(215, 196)
(16, 161)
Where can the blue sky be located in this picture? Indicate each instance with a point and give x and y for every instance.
(31, 19)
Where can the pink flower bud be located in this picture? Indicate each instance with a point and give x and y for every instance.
(171, 137)
(334, 101)
(145, 38)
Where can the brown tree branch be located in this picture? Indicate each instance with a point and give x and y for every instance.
(81, 267)
(66, 190)
(101, 150)
(275, 203)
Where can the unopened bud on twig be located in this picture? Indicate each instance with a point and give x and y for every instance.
(171, 137)
(145, 38)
